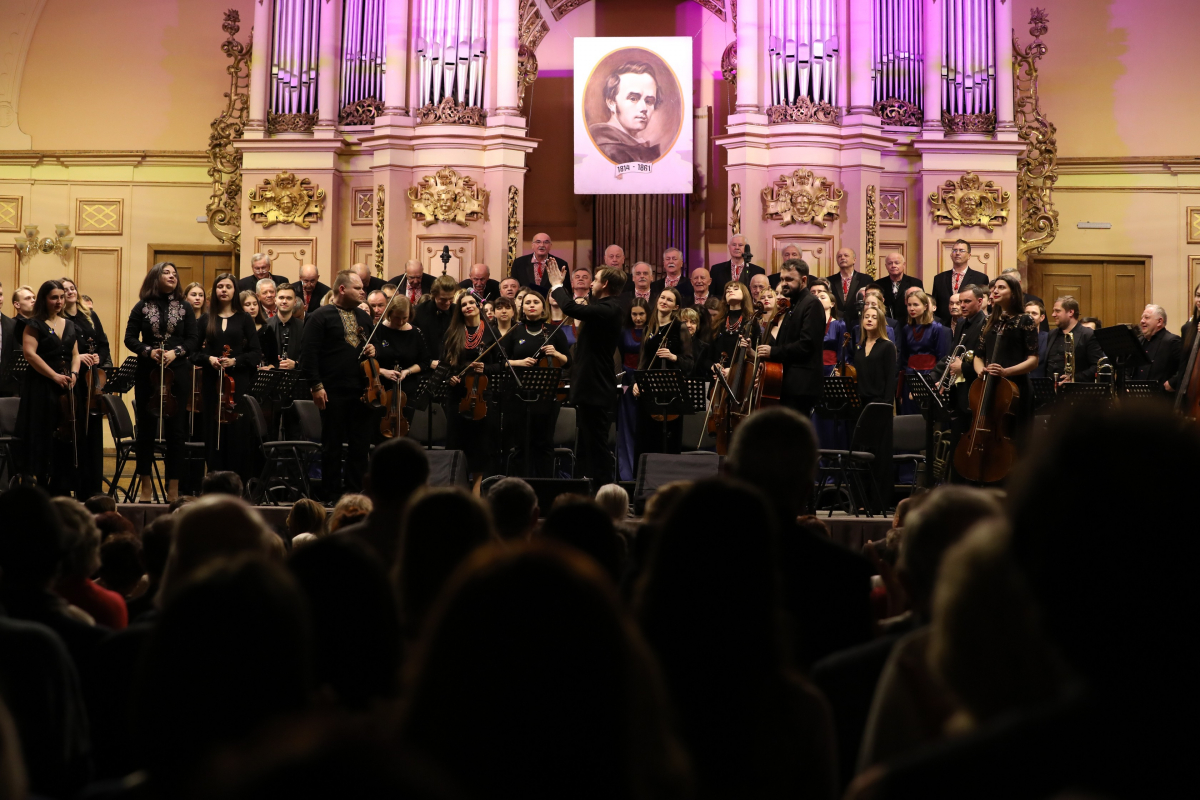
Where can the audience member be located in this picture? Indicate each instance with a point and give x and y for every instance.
(80, 561)
(100, 503)
(530, 683)
(709, 606)
(306, 517)
(121, 567)
(398, 469)
(350, 509)
(111, 523)
(222, 482)
(584, 525)
(157, 538)
(615, 501)
(514, 507)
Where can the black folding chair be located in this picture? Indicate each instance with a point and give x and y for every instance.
(908, 440)
(124, 436)
(285, 467)
(9, 406)
(850, 467)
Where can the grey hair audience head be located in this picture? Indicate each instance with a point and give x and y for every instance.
(615, 502)
(776, 450)
(81, 558)
(514, 507)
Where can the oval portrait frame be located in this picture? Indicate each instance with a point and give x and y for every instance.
(655, 60)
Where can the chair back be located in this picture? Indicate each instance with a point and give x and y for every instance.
(564, 428)
(120, 424)
(908, 433)
(419, 427)
(9, 406)
(872, 427)
(310, 419)
(257, 417)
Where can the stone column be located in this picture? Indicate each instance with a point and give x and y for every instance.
(329, 66)
(395, 49)
(748, 55)
(862, 30)
(503, 54)
(931, 12)
(1004, 65)
(260, 69)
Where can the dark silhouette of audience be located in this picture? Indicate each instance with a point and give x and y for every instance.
(581, 523)
(514, 507)
(222, 482)
(398, 469)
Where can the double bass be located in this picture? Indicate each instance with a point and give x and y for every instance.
(728, 411)
(1187, 394)
(986, 451)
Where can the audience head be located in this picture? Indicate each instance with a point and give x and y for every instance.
(306, 516)
(81, 556)
(441, 529)
(157, 539)
(399, 467)
(349, 509)
(224, 482)
(100, 503)
(32, 540)
(776, 451)
(213, 528)
(514, 507)
(615, 501)
(121, 566)
(580, 523)
(660, 504)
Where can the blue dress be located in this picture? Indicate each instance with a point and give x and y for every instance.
(631, 348)
(921, 347)
(831, 431)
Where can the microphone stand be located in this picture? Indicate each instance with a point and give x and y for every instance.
(445, 257)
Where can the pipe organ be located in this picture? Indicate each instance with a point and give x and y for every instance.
(969, 60)
(803, 51)
(451, 49)
(897, 59)
(294, 56)
(362, 51)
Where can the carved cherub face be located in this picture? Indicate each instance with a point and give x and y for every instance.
(444, 199)
(968, 207)
(802, 205)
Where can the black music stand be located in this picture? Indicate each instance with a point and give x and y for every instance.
(265, 383)
(1086, 392)
(1141, 390)
(931, 404)
(1043, 392)
(121, 379)
(667, 389)
(18, 367)
(539, 387)
(1121, 344)
(697, 394)
(839, 396)
(432, 389)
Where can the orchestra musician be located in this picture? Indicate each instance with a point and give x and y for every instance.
(698, 328)
(401, 351)
(873, 296)
(1086, 350)
(673, 268)
(798, 340)
(531, 340)
(701, 281)
(227, 326)
(197, 298)
(309, 289)
(481, 281)
(469, 353)
(94, 351)
(640, 284)
(282, 336)
(594, 382)
(845, 285)
(970, 328)
(333, 347)
(1017, 353)
(432, 315)
(727, 328)
(50, 343)
(629, 350)
(895, 285)
(923, 342)
(831, 431)
(10, 345)
(260, 269)
(161, 329)
(375, 303)
(665, 345)
(1163, 349)
(370, 282)
(416, 283)
(737, 268)
(951, 281)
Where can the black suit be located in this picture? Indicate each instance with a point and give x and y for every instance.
(684, 286)
(1087, 353)
(250, 283)
(799, 347)
(401, 283)
(723, 273)
(1164, 350)
(847, 304)
(594, 380)
(522, 270)
(895, 302)
(491, 289)
(314, 301)
(943, 288)
(10, 345)
(1033, 298)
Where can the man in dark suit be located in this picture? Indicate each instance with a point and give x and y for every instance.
(895, 284)
(1162, 348)
(594, 381)
(481, 281)
(415, 282)
(799, 343)
(673, 265)
(309, 289)
(530, 269)
(970, 329)
(260, 267)
(9, 346)
(1086, 349)
(371, 283)
(846, 285)
(736, 268)
(639, 285)
(958, 276)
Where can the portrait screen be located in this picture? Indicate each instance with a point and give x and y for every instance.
(633, 115)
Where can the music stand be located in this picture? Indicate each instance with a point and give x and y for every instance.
(1043, 392)
(931, 403)
(121, 379)
(432, 388)
(697, 394)
(667, 389)
(265, 382)
(843, 390)
(18, 367)
(1121, 344)
(539, 387)
(1141, 390)
(1086, 392)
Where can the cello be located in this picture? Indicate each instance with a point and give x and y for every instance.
(1187, 394)
(96, 379)
(986, 451)
(768, 382)
(730, 410)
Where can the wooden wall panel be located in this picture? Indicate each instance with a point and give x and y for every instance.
(10, 271)
(98, 275)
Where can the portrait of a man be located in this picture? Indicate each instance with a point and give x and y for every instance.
(631, 96)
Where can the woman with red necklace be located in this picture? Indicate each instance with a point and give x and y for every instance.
(467, 346)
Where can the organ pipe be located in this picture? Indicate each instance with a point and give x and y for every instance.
(969, 67)
(896, 66)
(803, 47)
(295, 43)
(451, 47)
(363, 64)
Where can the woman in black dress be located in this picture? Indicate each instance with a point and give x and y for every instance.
(467, 352)
(93, 352)
(875, 361)
(697, 327)
(666, 345)
(1009, 344)
(161, 330)
(49, 343)
(730, 326)
(248, 302)
(401, 351)
(528, 341)
(227, 326)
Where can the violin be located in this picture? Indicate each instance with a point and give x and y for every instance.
(227, 389)
(473, 405)
(842, 368)
(163, 403)
(394, 423)
(986, 452)
(768, 382)
(66, 416)
(96, 378)
(374, 395)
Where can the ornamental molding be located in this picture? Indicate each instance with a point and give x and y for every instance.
(802, 197)
(969, 202)
(729, 65)
(448, 197)
(872, 231)
(362, 112)
(969, 123)
(224, 208)
(804, 109)
(527, 72)
(894, 111)
(1038, 166)
(291, 123)
(514, 225)
(379, 231)
(735, 215)
(288, 200)
(450, 112)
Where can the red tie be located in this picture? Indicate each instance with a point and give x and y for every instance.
(957, 281)
(414, 292)
(737, 272)
(846, 285)
(537, 272)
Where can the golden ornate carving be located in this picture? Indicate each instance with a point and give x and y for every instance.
(224, 209)
(802, 197)
(363, 212)
(803, 110)
(735, 216)
(714, 6)
(729, 66)
(892, 205)
(895, 111)
(1193, 224)
(527, 72)
(560, 8)
(450, 112)
(1037, 167)
(969, 123)
(379, 231)
(514, 225)
(970, 202)
(290, 123)
(871, 231)
(102, 217)
(533, 27)
(448, 197)
(362, 112)
(10, 214)
(286, 199)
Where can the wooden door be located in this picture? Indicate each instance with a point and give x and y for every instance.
(194, 263)
(1113, 288)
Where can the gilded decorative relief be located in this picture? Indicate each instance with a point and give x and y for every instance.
(969, 202)
(224, 209)
(450, 112)
(514, 225)
(729, 66)
(1193, 225)
(735, 216)
(103, 217)
(379, 231)
(448, 197)
(802, 197)
(894, 111)
(291, 123)
(969, 123)
(10, 214)
(869, 261)
(286, 199)
(362, 112)
(527, 71)
(805, 109)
